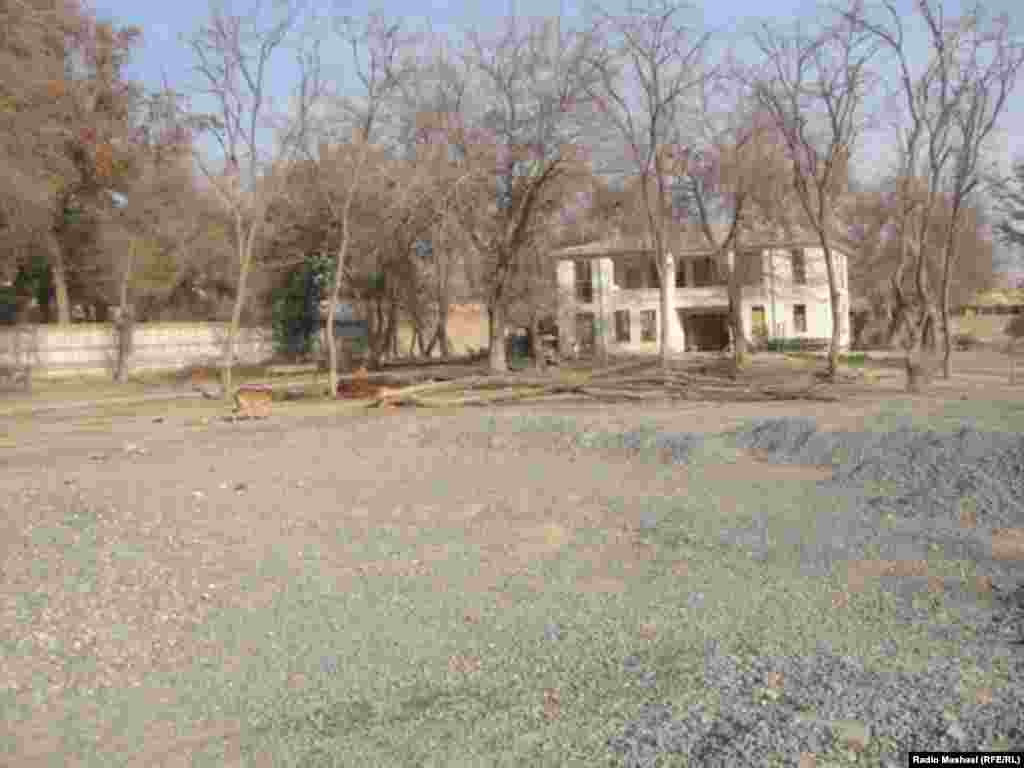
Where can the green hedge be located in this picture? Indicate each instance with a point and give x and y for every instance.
(796, 345)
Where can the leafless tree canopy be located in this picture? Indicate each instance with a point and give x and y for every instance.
(425, 173)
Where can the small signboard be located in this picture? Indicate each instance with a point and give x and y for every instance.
(344, 313)
(347, 325)
(352, 329)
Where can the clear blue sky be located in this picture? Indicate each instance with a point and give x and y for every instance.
(165, 22)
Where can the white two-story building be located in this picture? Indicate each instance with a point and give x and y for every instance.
(612, 288)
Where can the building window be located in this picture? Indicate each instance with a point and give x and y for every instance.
(584, 282)
(758, 322)
(586, 332)
(705, 272)
(800, 318)
(622, 325)
(648, 324)
(749, 267)
(652, 274)
(634, 278)
(680, 274)
(796, 256)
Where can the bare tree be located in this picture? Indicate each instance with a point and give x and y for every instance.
(1009, 195)
(654, 75)
(735, 177)
(377, 48)
(233, 55)
(434, 128)
(814, 90)
(877, 215)
(524, 137)
(951, 109)
(984, 78)
(146, 240)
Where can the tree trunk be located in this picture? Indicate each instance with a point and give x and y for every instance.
(833, 296)
(245, 244)
(496, 337)
(392, 332)
(665, 302)
(378, 335)
(417, 339)
(919, 363)
(433, 341)
(739, 340)
(897, 325)
(535, 345)
(947, 340)
(125, 331)
(442, 328)
(60, 285)
(339, 272)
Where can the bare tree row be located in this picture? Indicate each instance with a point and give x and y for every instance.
(412, 169)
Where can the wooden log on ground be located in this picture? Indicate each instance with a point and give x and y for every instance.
(633, 365)
(289, 370)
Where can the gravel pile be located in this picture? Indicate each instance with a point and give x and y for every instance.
(928, 473)
(676, 447)
(918, 481)
(775, 708)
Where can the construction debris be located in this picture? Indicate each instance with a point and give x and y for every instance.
(253, 401)
(646, 381)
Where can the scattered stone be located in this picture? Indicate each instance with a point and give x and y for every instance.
(553, 632)
(648, 520)
(956, 732)
(240, 488)
(98, 456)
(329, 664)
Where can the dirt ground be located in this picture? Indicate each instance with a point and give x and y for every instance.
(123, 536)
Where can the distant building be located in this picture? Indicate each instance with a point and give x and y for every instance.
(1005, 301)
(612, 287)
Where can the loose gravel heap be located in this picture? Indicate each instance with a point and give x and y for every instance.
(829, 702)
(918, 482)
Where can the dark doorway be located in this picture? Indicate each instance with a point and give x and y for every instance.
(706, 332)
(586, 333)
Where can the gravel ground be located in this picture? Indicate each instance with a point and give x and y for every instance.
(925, 479)
(239, 491)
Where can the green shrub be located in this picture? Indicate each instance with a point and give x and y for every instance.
(296, 313)
(785, 345)
(8, 306)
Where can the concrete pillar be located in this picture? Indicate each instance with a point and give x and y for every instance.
(566, 278)
(603, 273)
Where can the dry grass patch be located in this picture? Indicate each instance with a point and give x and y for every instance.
(859, 572)
(1008, 544)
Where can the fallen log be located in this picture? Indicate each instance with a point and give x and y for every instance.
(633, 365)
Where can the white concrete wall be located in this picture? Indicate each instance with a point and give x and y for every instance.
(92, 347)
(779, 295)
